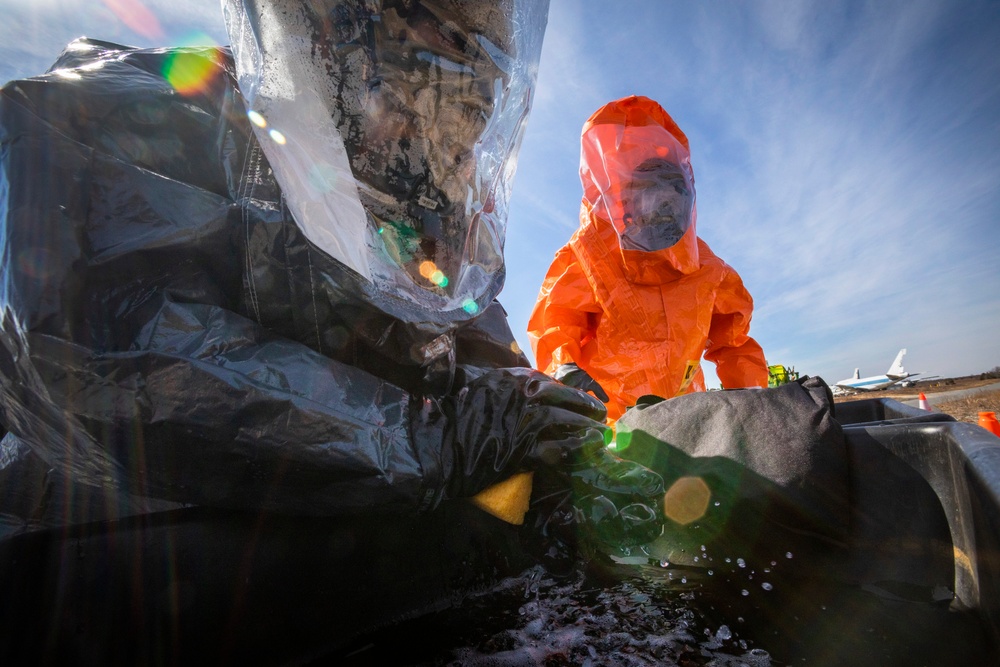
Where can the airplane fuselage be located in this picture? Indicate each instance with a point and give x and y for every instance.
(895, 374)
(871, 383)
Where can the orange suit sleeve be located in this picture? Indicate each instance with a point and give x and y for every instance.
(565, 316)
(738, 358)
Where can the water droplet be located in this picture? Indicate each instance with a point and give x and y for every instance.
(767, 569)
(696, 559)
(664, 563)
(710, 573)
(774, 562)
(684, 580)
(717, 503)
(759, 652)
(741, 562)
(703, 547)
(724, 633)
(788, 555)
(744, 592)
(729, 560)
(766, 586)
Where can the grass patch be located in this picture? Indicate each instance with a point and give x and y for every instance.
(967, 409)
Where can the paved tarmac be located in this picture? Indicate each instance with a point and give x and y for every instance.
(942, 396)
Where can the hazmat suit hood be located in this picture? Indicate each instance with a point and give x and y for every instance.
(392, 128)
(638, 188)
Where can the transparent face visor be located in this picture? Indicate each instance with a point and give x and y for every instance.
(640, 180)
(392, 128)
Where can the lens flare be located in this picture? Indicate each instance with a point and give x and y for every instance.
(686, 500)
(191, 73)
(137, 17)
(37, 262)
(278, 137)
(470, 306)
(431, 272)
(257, 119)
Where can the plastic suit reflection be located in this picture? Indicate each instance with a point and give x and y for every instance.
(634, 300)
(265, 278)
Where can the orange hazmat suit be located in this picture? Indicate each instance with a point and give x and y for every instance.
(635, 298)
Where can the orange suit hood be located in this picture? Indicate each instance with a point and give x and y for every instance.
(617, 141)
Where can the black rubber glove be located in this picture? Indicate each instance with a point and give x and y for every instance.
(518, 419)
(574, 376)
(607, 501)
(507, 420)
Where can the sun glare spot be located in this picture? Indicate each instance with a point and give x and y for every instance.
(256, 119)
(686, 500)
(431, 272)
(137, 17)
(190, 73)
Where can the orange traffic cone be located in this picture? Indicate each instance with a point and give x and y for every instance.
(988, 420)
(923, 404)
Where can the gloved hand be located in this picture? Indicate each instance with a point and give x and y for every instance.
(516, 419)
(608, 502)
(574, 376)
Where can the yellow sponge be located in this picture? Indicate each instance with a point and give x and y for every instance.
(507, 500)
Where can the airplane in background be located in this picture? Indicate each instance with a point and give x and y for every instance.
(895, 374)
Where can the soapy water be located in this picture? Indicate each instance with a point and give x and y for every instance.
(620, 611)
(537, 619)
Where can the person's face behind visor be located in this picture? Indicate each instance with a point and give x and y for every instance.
(657, 203)
(640, 180)
(426, 101)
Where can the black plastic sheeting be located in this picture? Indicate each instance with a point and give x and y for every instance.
(203, 586)
(167, 332)
(918, 584)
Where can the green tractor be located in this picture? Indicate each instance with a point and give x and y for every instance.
(778, 375)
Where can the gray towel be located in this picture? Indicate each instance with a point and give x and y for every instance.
(773, 462)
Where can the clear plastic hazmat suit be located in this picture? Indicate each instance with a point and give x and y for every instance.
(264, 277)
(634, 300)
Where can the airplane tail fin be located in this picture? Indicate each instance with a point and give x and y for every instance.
(897, 365)
(857, 374)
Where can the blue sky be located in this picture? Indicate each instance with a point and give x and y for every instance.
(846, 155)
